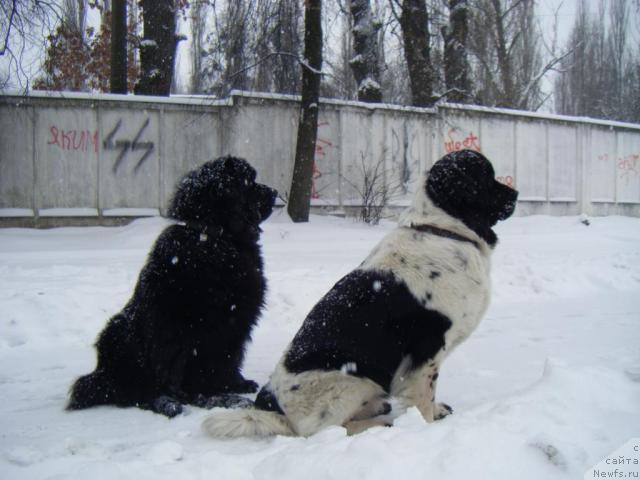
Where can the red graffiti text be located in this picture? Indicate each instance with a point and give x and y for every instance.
(508, 180)
(78, 140)
(454, 144)
(321, 151)
(629, 166)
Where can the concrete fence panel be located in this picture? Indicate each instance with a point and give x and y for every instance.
(531, 160)
(408, 143)
(17, 168)
(328, 159)
(71, 158)
(602, 155)
(628, 168)
(188, 139)
(129, 170)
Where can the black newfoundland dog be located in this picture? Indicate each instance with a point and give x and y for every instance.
(181, 337)
(373, 346)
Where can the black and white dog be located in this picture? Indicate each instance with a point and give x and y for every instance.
(181, 337)
(378, 338)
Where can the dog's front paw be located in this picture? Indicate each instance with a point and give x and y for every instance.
(245, 386)
(441, 411)
(167, 406)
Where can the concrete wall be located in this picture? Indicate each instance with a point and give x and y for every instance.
(73, 158)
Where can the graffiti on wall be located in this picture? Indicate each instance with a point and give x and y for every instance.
(456, 140)
(73, 140)
(124, 146)
(507, 180)
(89, 141)
(322, 146)
(628, 166)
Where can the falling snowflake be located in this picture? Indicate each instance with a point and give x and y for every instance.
(377, 285)
(174, 260)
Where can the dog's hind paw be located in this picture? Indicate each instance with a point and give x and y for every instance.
(441, 411)
(167, 406)
(224, 400)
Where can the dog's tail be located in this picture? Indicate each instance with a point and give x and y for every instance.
(91, 390)
(249, 422)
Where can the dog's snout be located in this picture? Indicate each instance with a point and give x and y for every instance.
(268, 193)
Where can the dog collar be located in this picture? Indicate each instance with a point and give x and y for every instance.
(441, 232)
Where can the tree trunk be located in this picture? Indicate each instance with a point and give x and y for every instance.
(455, 52)
(287, 39)
(365, 45)
(158, 47)
(119, 47)
(414, 22)
(300, 194)
(504, 60)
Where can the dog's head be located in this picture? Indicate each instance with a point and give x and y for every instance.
(463, 184)
(223, 192)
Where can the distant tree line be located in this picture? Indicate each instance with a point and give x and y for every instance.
(409, 52)
(601, 77)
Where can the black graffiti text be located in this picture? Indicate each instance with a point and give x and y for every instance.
(124, 146)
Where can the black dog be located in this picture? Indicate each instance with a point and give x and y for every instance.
(181, 337)
(373, 345)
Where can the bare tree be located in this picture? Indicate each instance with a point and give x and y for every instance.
(24, 28)
(341, 83)
(75, 15)
(365, 63)
(119, 47)
(158, 47)
(505, 48)
(373, 189)
(300, 193)
(456, 67)
(225, 47)
(414, 23)
(68, 52)
(618, 44)
(601, 76)
(286, 37)
(198, 19)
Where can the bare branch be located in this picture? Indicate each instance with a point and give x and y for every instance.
(276, 54)
(6, 38)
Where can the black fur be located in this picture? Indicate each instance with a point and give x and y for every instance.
(463, 184)
(182, 335)
(367, 323)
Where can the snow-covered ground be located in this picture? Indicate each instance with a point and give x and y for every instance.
(545, 388)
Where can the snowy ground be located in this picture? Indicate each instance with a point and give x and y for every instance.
(546, 387)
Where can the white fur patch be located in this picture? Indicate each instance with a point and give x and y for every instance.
(317, 399)
(246, 423)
